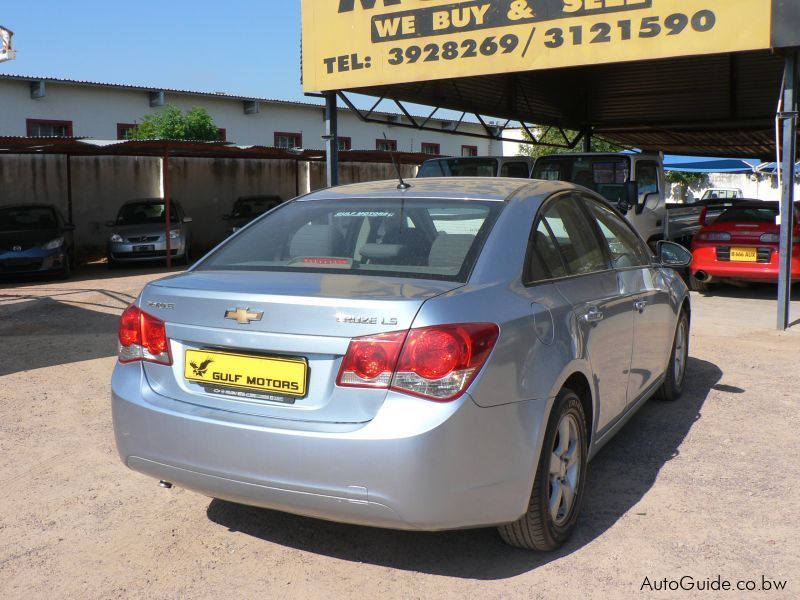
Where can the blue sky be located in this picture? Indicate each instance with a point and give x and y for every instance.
(242, 47)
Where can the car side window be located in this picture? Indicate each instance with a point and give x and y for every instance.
(563, 243)
(624, 246)
(647, 176)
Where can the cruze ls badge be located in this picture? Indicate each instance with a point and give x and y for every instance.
(243, 316)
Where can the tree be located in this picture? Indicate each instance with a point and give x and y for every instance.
(685, 180)
(172, 124)
(553, 136)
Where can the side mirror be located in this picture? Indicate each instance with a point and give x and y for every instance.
(110, 223)
(673, 255)
(187, 219)
(68, 227)
(703, 219)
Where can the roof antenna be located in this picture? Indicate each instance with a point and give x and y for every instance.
(402, 185)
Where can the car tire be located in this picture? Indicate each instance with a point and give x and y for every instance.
(697, 285)
(675, 378)
(66, 269)
(552, 515)
(111, 264)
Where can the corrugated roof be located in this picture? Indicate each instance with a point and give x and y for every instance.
(719, 105)
(221, 95)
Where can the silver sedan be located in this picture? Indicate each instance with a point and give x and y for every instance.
(444, 356)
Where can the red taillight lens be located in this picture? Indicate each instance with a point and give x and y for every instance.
(437, 363)
(370, 360)
(129, 331)
(142, 337)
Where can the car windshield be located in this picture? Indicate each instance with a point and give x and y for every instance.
(459, 167)
(250, 207)
(605, 175)
(429, 239)
(145, 213)
(749, 214)
(24, 218)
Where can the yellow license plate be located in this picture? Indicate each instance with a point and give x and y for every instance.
(744, 254)
(280, 375)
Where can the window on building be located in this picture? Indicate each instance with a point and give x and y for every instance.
(288, 140)
(222, 134)
(429, 148)
(124, 130)
(345, 143)
(469, 151)
(386, 145)
(48, 128)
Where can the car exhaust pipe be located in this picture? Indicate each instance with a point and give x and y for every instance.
(702, 276)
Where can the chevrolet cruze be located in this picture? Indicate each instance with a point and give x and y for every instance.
(444, 356)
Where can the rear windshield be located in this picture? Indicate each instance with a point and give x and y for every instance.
(767, 214)
(459, 167)
(22, 219)
(428, 239)
(145, 213)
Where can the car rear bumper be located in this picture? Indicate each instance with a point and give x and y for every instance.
(705, 259)
(416, 465)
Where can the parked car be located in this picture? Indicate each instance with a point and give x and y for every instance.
(139, 232)
(247, 208)
(35, 238)
(742, 244)
(445, 356)
(477, 166)
(722, 194)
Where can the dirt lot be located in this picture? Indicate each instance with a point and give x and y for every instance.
(703, 488)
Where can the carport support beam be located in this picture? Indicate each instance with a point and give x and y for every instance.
(167, 202)
(789, 118)
(331, 139)
(587, 139)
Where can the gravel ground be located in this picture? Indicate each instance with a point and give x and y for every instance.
(706, 487)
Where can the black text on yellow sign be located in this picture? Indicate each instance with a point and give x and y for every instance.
(357, 43)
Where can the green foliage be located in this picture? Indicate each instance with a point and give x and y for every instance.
(554, 137)
(684, 178)
(172, 124)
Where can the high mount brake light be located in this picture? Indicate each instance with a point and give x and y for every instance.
(142, 337)
(437, 363)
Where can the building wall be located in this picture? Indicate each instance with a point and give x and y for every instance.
(95, 112)
(763, 187)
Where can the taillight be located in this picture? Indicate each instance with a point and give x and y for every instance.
(770, 238)
(370, 360)
(142, 337)
(715, 236)
(437, 363)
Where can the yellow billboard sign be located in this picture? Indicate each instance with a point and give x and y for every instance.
(357, 43)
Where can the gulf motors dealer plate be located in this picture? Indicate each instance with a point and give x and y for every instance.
(744, 254)
(278, 375)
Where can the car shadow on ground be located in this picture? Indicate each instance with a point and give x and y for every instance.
(621, 474)
(87, 273)
(749, 291)
(46, 331)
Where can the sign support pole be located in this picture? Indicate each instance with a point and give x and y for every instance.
(331, 139)
(789, 118)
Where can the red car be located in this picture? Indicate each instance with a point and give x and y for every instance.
(742, 244)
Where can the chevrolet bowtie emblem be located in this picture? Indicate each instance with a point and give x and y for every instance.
(243, 315)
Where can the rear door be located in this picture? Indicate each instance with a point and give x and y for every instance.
(643, 293)
(568, 252)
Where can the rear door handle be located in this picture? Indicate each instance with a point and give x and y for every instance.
(593, 315)
(640, 305)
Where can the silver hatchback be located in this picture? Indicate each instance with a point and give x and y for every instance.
(449, 355)
(139, 233)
